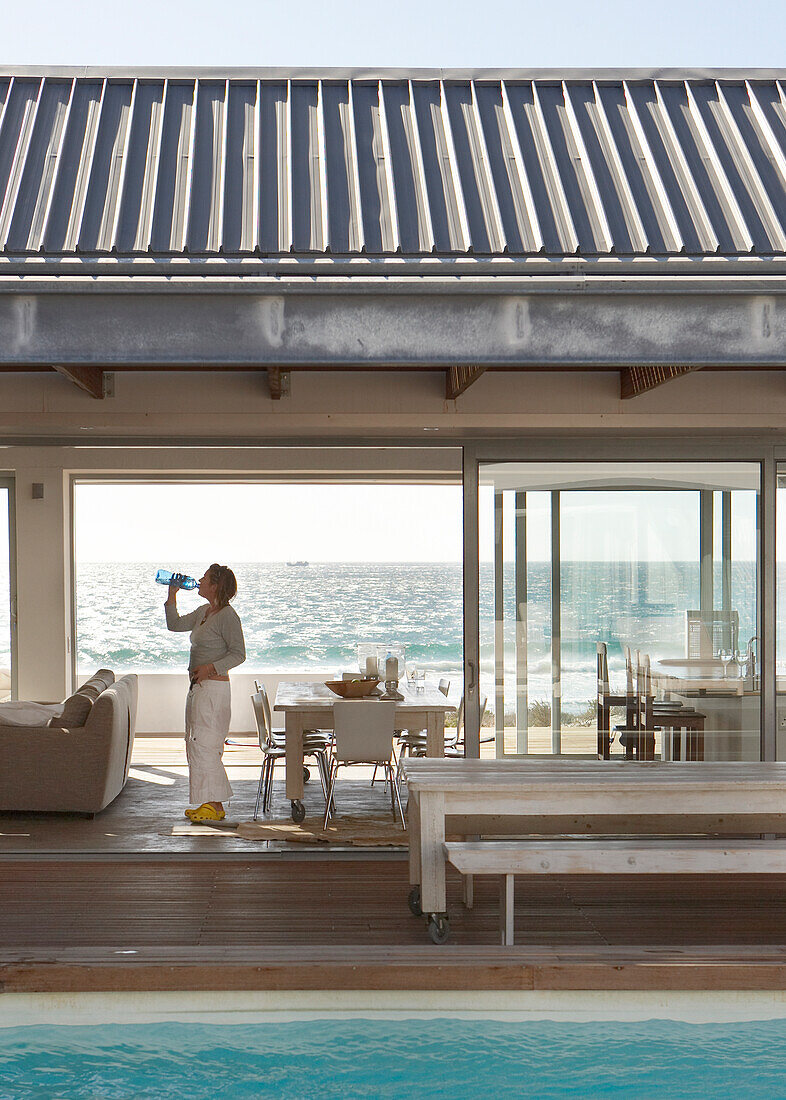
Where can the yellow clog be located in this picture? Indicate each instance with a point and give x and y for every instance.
(205, 812)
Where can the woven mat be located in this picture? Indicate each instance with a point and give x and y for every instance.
(364, 832)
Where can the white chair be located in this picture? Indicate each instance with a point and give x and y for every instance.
(273, 746)
(411, 742)
(363, 734)
(314, 741)
(414, 744)
(270, 753)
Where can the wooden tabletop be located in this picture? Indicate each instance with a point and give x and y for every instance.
(555, 773)
(301, 695)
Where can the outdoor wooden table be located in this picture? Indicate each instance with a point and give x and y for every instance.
(530, 789)
(308, 706)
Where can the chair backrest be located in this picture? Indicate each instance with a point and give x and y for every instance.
(460, 715)
(364, 730)
(603, 673)
(263, 729)
(644, 692)
(268, 713)
(631, 694)
(444, 687)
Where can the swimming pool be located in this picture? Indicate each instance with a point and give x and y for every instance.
(393, 1055)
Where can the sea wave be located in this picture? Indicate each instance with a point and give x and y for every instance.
(310, 619)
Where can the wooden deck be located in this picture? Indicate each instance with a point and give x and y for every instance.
(323, 923)
(127, 902)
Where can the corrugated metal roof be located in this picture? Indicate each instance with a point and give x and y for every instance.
(176, 166)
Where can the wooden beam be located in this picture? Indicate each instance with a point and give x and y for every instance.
(636, 380)
(89, 379)
(278, 382)
(458, 379)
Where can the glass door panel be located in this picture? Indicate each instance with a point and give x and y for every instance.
(658, 562)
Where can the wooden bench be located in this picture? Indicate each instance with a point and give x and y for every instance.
(509, 858)
(541, 796)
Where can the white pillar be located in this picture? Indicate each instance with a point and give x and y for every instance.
(43, 578)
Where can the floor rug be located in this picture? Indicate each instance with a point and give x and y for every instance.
(365, 832)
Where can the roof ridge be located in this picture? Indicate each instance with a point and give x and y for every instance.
(294, 72)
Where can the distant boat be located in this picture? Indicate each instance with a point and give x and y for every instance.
(297, 563)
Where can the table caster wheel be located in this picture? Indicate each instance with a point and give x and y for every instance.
(298, 811)
(413, 901)
(306, 775)
(438, 928)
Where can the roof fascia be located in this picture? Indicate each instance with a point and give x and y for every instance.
(93, 72)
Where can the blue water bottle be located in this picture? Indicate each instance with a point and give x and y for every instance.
(163, 576)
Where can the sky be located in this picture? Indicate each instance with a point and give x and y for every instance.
(168, 524)
(369, 33)
(248, 523)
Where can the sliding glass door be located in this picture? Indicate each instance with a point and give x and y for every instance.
(7, 594)
(655, 562)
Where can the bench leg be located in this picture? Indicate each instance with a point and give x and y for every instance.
(468, 885)
(506, 910)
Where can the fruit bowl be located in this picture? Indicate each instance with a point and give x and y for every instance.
(352, 689)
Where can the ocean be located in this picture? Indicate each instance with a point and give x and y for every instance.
(310, 618)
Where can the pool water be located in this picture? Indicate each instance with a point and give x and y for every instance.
(368, 1058)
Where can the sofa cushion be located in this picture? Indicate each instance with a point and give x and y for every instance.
(28, 713)
(76, 710)
(93, 687)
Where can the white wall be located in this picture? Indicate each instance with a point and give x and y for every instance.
(162, 699)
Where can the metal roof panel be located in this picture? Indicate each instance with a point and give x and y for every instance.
(400, 164)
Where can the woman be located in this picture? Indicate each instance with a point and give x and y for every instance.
(216, 646)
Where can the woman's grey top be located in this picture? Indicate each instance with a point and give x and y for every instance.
(217, 640)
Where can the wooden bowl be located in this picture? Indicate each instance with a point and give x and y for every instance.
(352, 689)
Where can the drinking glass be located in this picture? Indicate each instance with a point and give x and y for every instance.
(725, 657)
(417, 677)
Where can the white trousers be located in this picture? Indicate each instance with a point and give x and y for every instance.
(207, 726)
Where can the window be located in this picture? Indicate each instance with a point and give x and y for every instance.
(658, 559)
(320, 567)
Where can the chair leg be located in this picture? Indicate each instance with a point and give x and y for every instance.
(400, 763)
(269, 791)
(324, 774)
(262, 771)
(394, 788)
(329, 802)
(320, 759)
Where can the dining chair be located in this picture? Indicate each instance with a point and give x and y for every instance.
(416, 739)
(363, 734)
(270, 753)
(415, 744)
(273, 747)
(606, 699)
(649, 715)
(405, 738)
(314, 741)
(671, 718)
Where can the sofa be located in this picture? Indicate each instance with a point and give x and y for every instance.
(77, 759)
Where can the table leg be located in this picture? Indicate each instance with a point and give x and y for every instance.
(435, 734)
(413, 825)
(432, 852)
(294, 757)
(506, 910)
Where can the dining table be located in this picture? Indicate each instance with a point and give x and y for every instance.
(309, 706)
